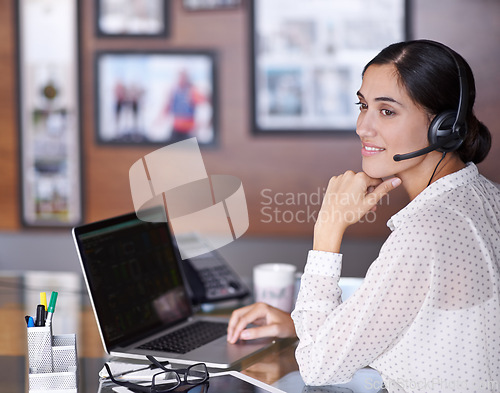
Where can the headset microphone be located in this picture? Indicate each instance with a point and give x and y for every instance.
(425, 150)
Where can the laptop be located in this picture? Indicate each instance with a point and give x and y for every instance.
(132, 269)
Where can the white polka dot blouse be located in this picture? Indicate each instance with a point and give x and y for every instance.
(427, 315)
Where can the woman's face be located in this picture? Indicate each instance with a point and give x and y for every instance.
(389, 123)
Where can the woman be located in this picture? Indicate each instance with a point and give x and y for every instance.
(427, 315)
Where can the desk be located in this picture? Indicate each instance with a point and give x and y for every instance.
(16, 292)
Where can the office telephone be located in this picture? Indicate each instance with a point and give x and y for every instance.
(210, 278)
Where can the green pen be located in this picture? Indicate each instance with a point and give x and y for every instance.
(51, 309)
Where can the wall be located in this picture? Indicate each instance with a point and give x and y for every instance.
(283, 164)
(9, 198)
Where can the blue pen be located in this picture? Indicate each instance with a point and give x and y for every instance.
(31, 323)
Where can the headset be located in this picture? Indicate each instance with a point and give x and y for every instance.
(448, 129)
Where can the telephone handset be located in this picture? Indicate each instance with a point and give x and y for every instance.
(210, 278)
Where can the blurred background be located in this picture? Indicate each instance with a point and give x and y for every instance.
(283, 173)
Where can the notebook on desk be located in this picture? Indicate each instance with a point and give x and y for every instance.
(136, 286)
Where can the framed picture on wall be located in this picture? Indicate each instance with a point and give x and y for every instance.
(127, 18)
(201, 5)
(155, 97)
(308, 58)
(49, 119)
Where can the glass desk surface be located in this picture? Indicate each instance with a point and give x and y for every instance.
(19, 295)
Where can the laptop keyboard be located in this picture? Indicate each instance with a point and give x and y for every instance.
(188, 338)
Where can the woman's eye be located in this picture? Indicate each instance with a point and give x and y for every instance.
(387, 112)
(362, 105)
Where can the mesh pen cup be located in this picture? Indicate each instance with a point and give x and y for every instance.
(53, 361)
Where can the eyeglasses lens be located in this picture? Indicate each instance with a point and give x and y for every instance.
(165, 381)
(197, 373)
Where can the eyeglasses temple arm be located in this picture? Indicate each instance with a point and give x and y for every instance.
(157, 364)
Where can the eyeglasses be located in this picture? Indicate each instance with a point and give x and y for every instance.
(167, 380)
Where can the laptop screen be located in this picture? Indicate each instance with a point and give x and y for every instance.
(133, 276)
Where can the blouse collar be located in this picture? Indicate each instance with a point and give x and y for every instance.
(439, 187)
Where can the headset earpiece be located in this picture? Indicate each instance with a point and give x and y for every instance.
(448, 129)
(441, 129)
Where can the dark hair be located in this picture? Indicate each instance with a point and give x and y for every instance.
(430, 77)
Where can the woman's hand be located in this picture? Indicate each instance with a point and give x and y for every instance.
(273, 323)
(347, 199)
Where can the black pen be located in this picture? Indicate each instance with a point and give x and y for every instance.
(40, 315)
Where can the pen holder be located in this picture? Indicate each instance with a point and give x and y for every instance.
(53, 361)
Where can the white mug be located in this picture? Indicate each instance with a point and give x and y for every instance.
(274, 284)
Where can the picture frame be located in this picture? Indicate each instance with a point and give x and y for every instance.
(155, 97)
(208, 5)
(307, 60)
(126, 18)
(49, 113)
